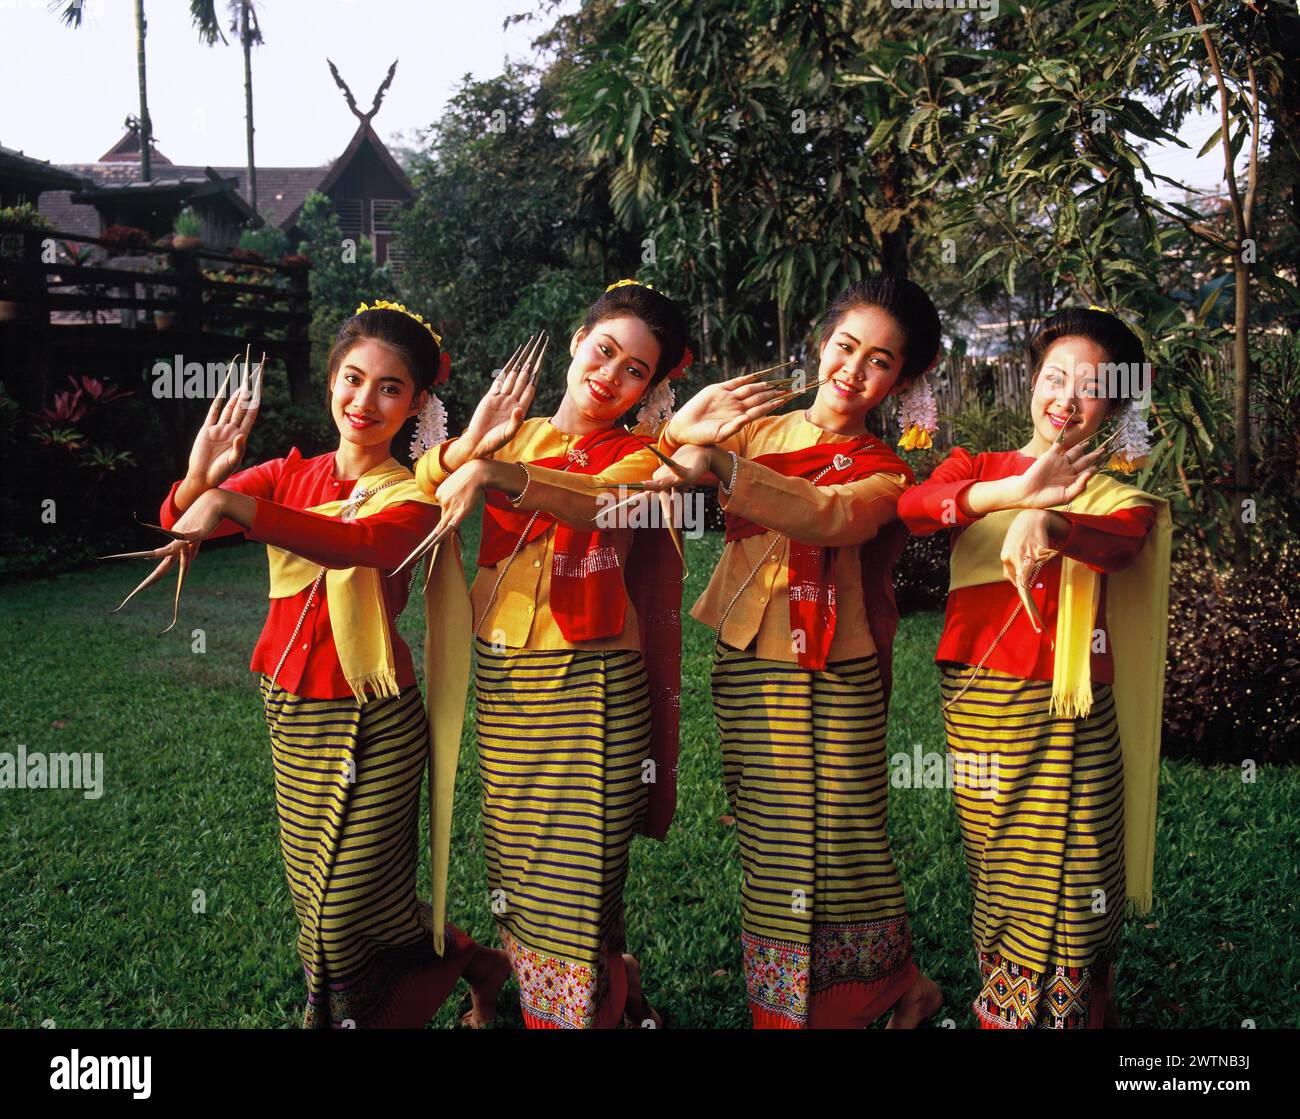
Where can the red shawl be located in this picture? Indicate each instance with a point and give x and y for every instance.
(809, 573)
(589, 598)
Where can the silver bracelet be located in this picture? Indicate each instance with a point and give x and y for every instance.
(727, 487)
(528, 481)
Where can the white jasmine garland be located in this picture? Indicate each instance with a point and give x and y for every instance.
(431, 428)
(657, 408)
(1133, 443)
(916, 405)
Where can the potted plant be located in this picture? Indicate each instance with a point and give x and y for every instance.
(14, 222)
(188, 230)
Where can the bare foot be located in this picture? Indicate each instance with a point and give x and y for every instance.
(639, 1012)
(488, 969)
(920, 1001)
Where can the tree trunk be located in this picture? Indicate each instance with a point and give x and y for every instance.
(892, 177)
(724, 349)
(146, 127)
(1241, 407)
(248, 99)
(782, 342)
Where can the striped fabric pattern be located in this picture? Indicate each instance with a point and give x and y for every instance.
(562, 736)
(347, 784)
(804, 768)
(1044, 847)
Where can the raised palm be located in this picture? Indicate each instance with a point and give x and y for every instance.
(1058, 476)
(219, 446)
(502, 410)
(717, 412)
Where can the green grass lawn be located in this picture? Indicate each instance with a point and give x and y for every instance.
(105, 925)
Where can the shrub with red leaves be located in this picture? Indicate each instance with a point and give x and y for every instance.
(127, 236)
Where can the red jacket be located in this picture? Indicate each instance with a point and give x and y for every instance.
(976, 614)
(284, 489)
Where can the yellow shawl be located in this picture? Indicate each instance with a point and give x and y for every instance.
(1138, 621)
(357, 617)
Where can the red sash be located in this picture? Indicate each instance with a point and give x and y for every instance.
(809, 573)
(589, 598)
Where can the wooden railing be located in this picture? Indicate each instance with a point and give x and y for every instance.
(154, 299)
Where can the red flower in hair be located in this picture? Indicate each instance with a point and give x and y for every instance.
(444, 369)
(681, 367)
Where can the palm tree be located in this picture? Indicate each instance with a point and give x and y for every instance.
(71, 15)
(243, 20)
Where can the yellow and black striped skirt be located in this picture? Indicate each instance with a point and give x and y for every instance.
(1044, 844)
(347, 784)
(562, 736)
(824, 924)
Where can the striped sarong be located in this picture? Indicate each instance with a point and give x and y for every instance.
(347, 784)
(824, 926)
(562, 736)
(1044, 847)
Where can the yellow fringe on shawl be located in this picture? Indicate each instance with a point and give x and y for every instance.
(1138, 621)
(356, 608)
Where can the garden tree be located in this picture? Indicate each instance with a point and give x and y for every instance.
(343, 274)
(244, 22)
(71, 12)
(1062, 183)
(498, 243)
(746, 144)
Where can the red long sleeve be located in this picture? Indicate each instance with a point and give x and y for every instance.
(1111, 542)
(934, 504)
(381, 540)
(284, 490)
(254, 481)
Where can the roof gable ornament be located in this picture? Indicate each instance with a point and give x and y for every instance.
(364, 118)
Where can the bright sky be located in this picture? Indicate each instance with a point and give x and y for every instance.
(66, 93)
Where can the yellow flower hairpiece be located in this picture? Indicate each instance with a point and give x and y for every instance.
(386, 305)
(625, 283)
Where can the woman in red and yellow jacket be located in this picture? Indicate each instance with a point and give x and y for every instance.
(349, 734)
(1053, 653)
(577, 639)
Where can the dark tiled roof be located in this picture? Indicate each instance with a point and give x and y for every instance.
(280, 190)
(67, 216)
(128, 149)
(37, 171)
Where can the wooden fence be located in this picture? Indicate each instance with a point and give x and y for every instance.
(71, 303)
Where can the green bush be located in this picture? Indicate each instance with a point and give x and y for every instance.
(188, 224)
(270, 241)
(1231, 686)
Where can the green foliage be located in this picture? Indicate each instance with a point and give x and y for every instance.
(281, 425)
(751, 159)
(769, 160)
(269, 240)
(188, 224)
(25, 215)
(1232, 669)
(343, 276)
(981, 426)
(497, 240)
